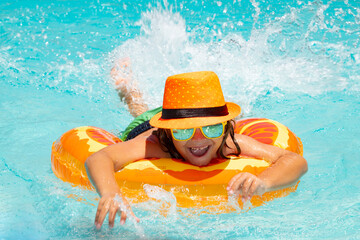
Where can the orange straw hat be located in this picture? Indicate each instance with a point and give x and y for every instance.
(193, 100)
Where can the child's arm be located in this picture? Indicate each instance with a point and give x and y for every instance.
(101, 168)
(285, 170)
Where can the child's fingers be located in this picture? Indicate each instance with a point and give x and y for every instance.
(246, 187)
(232, 181)
(254, 187)
(134, 216)
(97, 213)
(237, 185)
(123, 218)
(129, 210)
(112, 214)
(101, 212)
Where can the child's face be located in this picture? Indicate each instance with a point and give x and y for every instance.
(198, 150)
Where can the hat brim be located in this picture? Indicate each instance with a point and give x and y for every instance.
(182, 123)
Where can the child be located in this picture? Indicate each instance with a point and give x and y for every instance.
(194, 124)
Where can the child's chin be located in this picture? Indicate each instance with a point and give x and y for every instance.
(203, 161)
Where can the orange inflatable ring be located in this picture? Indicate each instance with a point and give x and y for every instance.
(194, 187)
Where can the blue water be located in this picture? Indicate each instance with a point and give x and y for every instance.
(296, 62)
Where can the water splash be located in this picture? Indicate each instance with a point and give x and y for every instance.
(287, 53)
(309, 48)
(233, 202)
(316, 41)
(126, 209)
(167, 200)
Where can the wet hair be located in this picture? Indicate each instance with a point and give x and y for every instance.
(167, 145)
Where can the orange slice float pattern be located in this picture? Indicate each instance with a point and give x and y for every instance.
(197, 186)
(265, 132)
(102, 136)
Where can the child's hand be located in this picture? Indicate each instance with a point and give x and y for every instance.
(112, 203)
(247, 185)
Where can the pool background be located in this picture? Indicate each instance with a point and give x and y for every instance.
(296, 62)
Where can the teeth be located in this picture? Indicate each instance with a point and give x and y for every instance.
(198, 149)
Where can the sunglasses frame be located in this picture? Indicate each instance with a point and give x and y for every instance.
(201, 129)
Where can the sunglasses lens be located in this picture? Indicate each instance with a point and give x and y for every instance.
(182, 134)
(213, 131)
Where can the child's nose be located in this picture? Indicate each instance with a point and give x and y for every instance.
(198, 135)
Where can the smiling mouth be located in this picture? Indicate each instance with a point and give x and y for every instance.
(199, 151)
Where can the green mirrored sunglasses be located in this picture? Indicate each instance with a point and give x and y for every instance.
(211, 132)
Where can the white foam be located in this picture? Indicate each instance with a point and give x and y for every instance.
(274, 56)
(163, 196)
(126, 209)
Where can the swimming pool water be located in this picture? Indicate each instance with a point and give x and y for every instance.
(296, 62)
